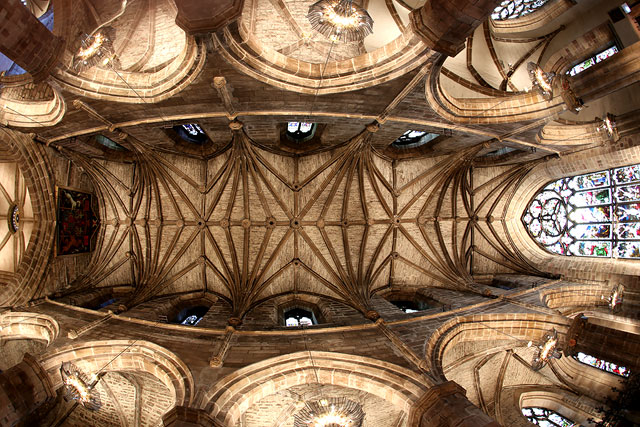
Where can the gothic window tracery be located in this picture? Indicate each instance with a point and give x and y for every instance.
(601, 364)
(191, 316)
(414, 138)
(547, 418)
(299, 317)
(191, 132)
(300, 131)
(511, 9)
(593, 215)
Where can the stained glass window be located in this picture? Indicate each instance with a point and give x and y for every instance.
(109, 143)
(191, 132)
(414, 138)
(299, 317)
(511, 9)
(594, 215)
(602, 364)
(300, 131)
(191, 316)
(547, 418)
(410, 306)
(588, 63)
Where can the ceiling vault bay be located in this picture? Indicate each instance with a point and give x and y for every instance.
(248, 224)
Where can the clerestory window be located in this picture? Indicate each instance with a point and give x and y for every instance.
(591, 215)
(300, 131)
(601, 364)
(299, 317)
(547, 418)
(590, 62)
(512, 9)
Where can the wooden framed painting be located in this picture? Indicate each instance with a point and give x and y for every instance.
(77, 222)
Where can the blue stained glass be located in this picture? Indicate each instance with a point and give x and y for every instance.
(591, 231)
(601, 364)
(626, 174)
(293, 126)
(629, 212)
(595, 214)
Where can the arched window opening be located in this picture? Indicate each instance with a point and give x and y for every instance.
(299, 317)
(547, 418)
(191, 316)
(601, 364)
(106, 303)
(192, 133)
(414, 138)
(410, 306)
(512, 9)
(300, 131)
(103, 140)
(45, 16)
(590, 62)
(592, 215)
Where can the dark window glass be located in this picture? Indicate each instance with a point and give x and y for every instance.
(109, 143)
(299, 317)
(192, 133)
(191, 316)
(410, 306)
(300, 131)
(414, 138)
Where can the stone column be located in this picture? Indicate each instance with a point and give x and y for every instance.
(26, 41)
(445, 405)
(23, 389)
(444, 25)
(182, 416)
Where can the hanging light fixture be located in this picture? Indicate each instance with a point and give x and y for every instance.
(79, 387)
(609, 126)
(541, 79)
(96, 49)
(615, 297)
(340, 20)
(547, 350)
(330, 412)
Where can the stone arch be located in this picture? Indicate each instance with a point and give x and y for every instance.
(21, 286)
(534, 20)
(32, 105)
(24, 325)
(490, 105)
(245, 52)
(578, 408)
(543, 173)
(486, 327)
(232, 395)
(125, 356)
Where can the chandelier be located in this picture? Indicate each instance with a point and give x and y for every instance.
(541, 79)
(77, 386)
(547, 350)
(615, 298)
(332, 412)
(609, 126)
(96, 49)
(340, 20)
